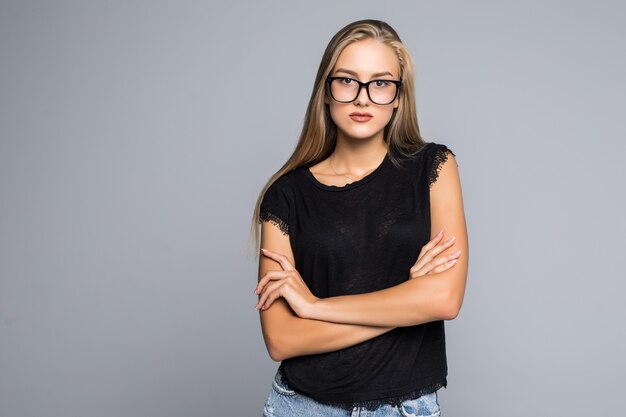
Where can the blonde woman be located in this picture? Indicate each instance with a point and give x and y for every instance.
(364, 243)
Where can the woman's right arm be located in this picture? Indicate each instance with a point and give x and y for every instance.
(286, 335)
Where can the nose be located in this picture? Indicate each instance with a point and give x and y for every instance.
(362, 99)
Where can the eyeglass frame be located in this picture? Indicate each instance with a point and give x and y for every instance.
(361, 84)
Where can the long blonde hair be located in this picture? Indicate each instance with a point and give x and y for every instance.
(319, 132)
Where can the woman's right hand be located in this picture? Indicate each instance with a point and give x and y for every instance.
(429, 263)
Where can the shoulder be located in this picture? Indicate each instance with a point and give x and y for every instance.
(440, 157)
(284, 183)
(429, 160)
(435, 150)
(439, 151)
(276, 204)
(427, 154)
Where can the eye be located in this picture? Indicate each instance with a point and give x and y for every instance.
(346, 81)
(381, 83)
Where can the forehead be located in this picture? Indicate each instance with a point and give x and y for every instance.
(368, 56)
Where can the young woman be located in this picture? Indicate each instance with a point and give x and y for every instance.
(356, 277)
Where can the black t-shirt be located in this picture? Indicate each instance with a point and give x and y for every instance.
(354, 239)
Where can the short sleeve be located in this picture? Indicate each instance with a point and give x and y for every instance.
(275, 206)
(438, 155)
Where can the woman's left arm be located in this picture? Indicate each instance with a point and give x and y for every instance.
(428, 298)
(431, 297)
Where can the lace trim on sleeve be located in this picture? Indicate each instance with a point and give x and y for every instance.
(266, 215)
(441, 156)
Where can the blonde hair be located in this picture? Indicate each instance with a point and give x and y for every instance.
(319, 132)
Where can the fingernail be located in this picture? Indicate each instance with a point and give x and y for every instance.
(262, 250)
(452, 239)
(453, 261)
(457, 252)
(440, 232)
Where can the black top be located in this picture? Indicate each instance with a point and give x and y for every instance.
(359, 238)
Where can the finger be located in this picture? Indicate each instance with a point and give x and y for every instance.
(428, 267)
(281, 259)
(443, 263)
(448, 242)
(433, 248)
(443, 259)
(426, 270)
(271, 289)
(269, 276)
(432, 242)
(440, 247)
(264, 294)
(438, 236)
(423, 261)
(274, 295)
(431, 265)
(432, 252)
(278, 289)
(445, 266)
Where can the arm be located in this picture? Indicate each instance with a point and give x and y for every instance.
(415, 301)
(287, 335)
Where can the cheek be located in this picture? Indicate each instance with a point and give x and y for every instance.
(337, 113)
(384, 117)
(388, 114)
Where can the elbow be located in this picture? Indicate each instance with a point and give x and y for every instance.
(451, 307)
(275, 354)
(276, 348)
(450, 313)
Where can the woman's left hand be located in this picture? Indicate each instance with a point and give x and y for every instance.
(287, 284)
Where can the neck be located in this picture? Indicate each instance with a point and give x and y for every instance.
(358, 157)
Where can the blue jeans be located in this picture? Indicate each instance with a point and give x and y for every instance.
(285, 402)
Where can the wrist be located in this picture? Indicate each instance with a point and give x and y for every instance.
(313, 310)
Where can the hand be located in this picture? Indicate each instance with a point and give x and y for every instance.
(429, 263)
(287, 284)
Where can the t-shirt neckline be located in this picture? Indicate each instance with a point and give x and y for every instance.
(373, 174)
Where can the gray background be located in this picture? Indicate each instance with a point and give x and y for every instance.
(136, 136)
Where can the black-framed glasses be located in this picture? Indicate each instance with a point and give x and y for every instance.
(346, 89)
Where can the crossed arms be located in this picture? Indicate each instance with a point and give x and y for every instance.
(296, 323)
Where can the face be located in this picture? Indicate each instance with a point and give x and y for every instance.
(364, 60)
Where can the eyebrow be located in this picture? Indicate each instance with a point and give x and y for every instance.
(378, 74)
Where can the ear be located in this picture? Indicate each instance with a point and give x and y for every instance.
(396, 103)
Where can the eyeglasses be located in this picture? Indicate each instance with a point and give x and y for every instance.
(346, 90)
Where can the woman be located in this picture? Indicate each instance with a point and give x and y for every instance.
(355, 281)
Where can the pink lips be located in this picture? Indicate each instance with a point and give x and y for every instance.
(360, 117)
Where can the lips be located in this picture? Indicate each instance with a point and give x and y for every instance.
(360, 117)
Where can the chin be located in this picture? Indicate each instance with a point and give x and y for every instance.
(361, 133)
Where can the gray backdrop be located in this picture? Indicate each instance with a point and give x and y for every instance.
(136, 136)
